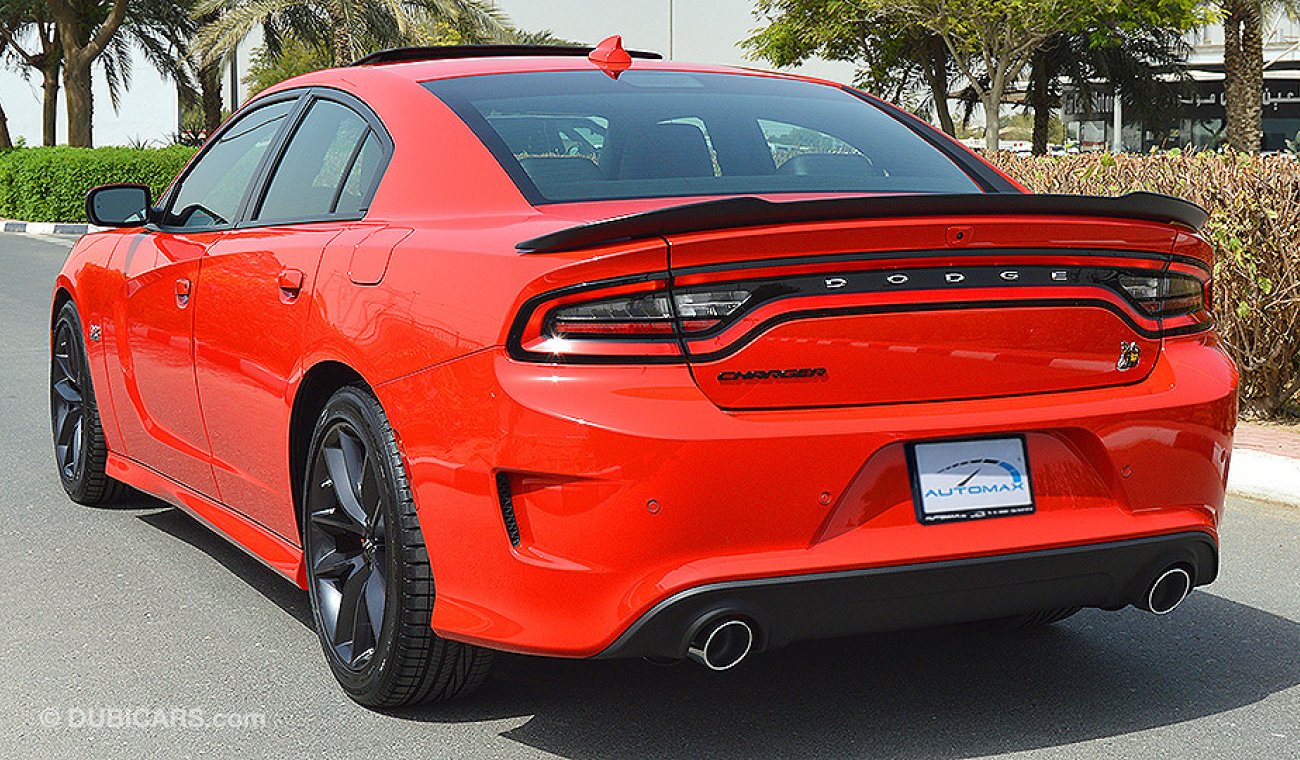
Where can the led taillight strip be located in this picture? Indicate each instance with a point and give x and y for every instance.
(538, 336)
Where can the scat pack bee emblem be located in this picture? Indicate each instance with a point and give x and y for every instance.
(1130, 355)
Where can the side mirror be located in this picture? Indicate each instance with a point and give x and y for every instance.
(119, 205)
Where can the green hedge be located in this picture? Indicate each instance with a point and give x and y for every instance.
(50, 184)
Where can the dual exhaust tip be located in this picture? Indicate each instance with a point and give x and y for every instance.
(724, 643)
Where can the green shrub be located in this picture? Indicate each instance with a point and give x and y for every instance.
(50, 184)
(1254, 225)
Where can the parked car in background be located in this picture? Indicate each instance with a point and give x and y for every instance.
(583, 353)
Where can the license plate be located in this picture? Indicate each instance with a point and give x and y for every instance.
(970, 480)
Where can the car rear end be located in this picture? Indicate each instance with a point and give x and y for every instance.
(878, 389)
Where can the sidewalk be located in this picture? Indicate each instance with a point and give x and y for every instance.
(1266, 463)
(46, 228)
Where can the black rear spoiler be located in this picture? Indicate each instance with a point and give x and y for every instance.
(749, 211)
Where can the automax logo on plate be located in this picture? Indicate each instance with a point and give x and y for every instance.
(971, 479)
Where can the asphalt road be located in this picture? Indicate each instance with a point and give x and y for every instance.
(141, 611)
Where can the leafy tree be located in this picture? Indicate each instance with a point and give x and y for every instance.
(294, 57)
(900, 59)
(991, 41)
(1136, 50)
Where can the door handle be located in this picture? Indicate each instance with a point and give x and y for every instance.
(183, 286)
(290, 281)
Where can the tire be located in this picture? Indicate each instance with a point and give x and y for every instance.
(363, 549)
(80, 452)
(1032, 621)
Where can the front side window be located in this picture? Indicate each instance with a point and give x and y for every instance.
(582, 136)
(210, 194)
(309, 177)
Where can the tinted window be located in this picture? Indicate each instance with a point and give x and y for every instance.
(576, 136)
(306, 182)
(211, 192)
(360, 182)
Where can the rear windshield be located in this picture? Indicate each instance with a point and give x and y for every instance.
(583, 136)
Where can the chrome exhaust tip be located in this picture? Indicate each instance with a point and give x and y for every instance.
(1168, 591)
(722, 645)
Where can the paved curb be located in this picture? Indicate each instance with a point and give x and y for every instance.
(1264, 476)
(48, 228)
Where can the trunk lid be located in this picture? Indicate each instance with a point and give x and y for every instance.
(878, 311)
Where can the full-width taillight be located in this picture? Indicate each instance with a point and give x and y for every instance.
(1165, 294)
(641, 319)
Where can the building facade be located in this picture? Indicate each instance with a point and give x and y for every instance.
(1200, 120)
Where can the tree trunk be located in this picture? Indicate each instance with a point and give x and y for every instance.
(936, 73)
(210, 96)
(1041, 101)
(50, 102)
(81, 107)
(1243, 64)
(341, 32)
(6, 142)
(992, 100)
(80, 48)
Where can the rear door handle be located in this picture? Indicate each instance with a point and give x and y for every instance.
(291, 283)
(183, 286)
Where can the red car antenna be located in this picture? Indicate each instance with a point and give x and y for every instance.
(610, 56)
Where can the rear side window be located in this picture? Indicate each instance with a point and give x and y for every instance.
(355, 196)
(582, 136)
(320, 165)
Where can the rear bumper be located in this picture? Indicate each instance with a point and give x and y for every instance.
(824, 605)
(629, 487)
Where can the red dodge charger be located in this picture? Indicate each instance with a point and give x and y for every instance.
(582, 353)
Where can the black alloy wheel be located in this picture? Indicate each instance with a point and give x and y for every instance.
(349, 558)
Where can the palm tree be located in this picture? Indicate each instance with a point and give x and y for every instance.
(23, 19)
(88, 33)
(1243, 68)
(349, 28)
